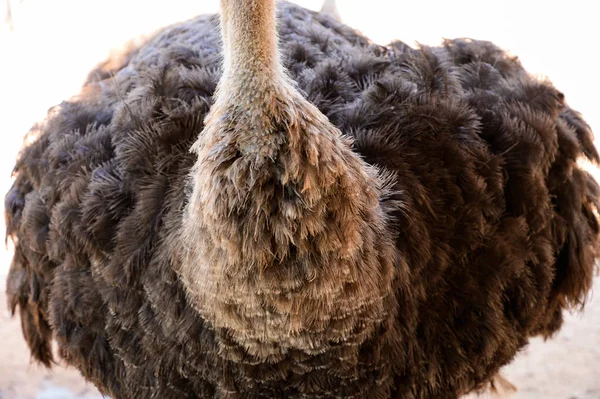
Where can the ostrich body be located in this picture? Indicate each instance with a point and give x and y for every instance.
(411, 256)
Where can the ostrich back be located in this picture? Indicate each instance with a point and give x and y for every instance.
(488, 206)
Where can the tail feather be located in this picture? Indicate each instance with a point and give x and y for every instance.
(576, 196)
(34, 323)
(584, 133)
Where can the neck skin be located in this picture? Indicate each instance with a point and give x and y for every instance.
(248, 28)
(286, 247)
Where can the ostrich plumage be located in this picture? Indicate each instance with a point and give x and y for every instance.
(411, 258)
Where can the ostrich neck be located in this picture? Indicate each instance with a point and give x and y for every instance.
(248, 29)
(285, 244)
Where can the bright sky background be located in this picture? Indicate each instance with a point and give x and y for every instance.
(56, 42)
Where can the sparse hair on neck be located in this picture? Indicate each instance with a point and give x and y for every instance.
(286, 245)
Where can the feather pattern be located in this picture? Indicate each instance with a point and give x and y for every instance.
(473, 167)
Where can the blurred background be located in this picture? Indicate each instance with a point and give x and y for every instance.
(48, 47)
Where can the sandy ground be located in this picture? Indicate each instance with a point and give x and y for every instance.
(54, 43)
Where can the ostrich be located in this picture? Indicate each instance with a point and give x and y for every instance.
(330, 7)
(319, 217)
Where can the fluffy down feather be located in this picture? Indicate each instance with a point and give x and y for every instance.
(494, 221)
